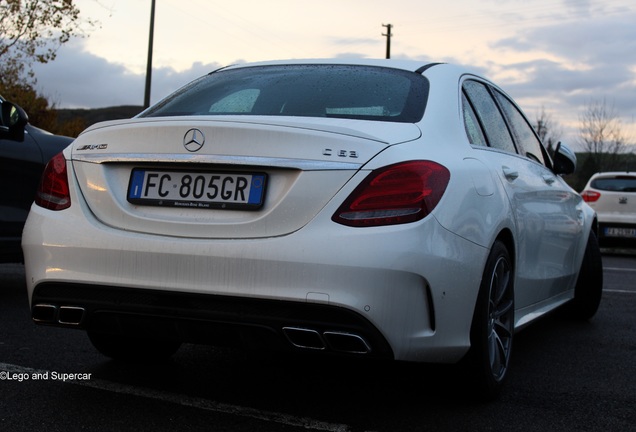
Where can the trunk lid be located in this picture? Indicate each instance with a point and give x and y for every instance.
(303, 162)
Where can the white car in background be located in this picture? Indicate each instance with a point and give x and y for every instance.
(389, 209)
(613, 196)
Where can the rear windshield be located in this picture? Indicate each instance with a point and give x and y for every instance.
(618, 184)
(342, 91)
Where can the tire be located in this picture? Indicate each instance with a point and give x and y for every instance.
(492, 327)
(131, 349)
(589, 284)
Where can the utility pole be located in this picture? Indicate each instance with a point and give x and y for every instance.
(388, 39)
(149, 64)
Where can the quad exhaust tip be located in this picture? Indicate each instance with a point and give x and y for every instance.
(53, 314)
(334, 340)
(299, 337)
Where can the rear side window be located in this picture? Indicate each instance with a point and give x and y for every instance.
(525, 138)
(341, 91)
(618, 184)
(489, 116)
(471, 124)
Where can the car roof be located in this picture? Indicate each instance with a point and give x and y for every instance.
(397, 64)
(444, 71)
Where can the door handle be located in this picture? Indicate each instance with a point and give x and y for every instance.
(509, 173)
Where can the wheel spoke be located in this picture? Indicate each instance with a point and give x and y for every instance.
(503, 309)
(499, 351)
(501, 281)
(503, 329)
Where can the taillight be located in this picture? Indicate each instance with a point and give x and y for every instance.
(590, 196)
(396, 194)
(53, 192)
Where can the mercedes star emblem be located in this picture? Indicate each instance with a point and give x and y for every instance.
(193, 140)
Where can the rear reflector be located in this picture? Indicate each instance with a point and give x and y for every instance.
(396, 194)
(53, 192)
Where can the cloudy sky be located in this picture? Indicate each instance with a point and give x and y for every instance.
(560, 55)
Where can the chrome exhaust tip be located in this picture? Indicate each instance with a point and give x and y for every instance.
(338, 341)
(53, 314)
(304, 338)
(44, 313)
(70, 315)
(346, 342)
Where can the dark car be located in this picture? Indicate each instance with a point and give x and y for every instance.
(24, 151)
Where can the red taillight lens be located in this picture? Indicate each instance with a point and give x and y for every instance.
(590, 196)
(53, 192)
(396, 194)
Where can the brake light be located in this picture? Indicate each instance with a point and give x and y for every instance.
(53, 192)
(590, 196)
(396, 194)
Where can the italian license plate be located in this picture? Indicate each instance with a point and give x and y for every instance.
(195, 189)
(620, 232)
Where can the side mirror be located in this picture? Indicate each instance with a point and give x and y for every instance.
(564, 160)
(13, 119)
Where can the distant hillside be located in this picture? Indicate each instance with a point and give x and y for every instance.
(92, 116)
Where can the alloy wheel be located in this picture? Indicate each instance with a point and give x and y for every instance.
(500, 318)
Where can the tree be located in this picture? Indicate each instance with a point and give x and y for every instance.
(32, 31)
(548, 130)
(601, 134)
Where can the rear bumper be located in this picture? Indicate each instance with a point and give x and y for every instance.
(407, 291)
(207, 319)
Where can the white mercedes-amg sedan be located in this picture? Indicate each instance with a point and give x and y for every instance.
(387, 209)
